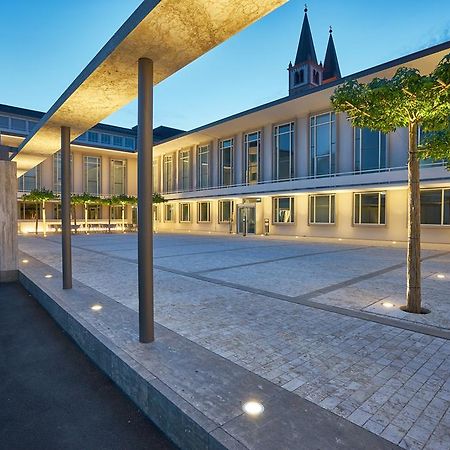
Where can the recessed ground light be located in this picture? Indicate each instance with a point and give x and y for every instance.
(394, 242)
(387, 304)
(441, 276)
(48, 276)
(296, 237)
(96, 307)
(253, 408)
(25, 261)
(340, 239)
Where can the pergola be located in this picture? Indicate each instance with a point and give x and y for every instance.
(158, 39)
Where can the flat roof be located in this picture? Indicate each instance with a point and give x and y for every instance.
(172, 33)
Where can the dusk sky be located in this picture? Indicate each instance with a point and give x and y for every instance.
(46, 44)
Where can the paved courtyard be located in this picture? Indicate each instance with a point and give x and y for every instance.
(309, 317)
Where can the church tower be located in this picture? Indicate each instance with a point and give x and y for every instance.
(331, 70)
(305, 73)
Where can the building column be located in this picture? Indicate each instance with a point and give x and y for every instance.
(66, 227)
(145, 201)
(8, 222)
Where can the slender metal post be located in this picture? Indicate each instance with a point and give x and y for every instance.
(145, 197)
(65, 209)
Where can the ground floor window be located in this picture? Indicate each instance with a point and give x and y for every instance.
(155, 213)
(226, 211)
(185, 212)
(29, 211)
(435, 206)
(321, 209)
(283, 210)
(94, 212)
(370, 208)
(204, 212)
(169, 213)
(116, 212)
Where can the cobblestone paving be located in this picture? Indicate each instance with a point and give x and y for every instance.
(392, 381)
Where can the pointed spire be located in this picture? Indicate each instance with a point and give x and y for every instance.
(306, 51)
(331, 69)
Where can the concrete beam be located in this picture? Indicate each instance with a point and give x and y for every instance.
(8, 222)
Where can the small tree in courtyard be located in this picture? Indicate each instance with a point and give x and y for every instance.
(409, 100)
(40, 196)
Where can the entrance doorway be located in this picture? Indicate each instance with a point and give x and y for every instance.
(246, 219)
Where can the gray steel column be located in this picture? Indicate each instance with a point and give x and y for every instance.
(145, 197)
(65, 208)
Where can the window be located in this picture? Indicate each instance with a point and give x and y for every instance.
(226, 208)
(116, 212)
(31, 125)
(168, 213)
(435, 206)
(118, 141)
(204, 212)
(4, 122)
(18, 124)
(168, 173)
(284, 151)
(29, 211)
(92, 136)
(226, 148)
(321, 209)
(57, 172)
(203, 166)
(30, 180)
(184, 165)
(155, 213)
(370, 150)
(185, 212)
(129, 143)
(118, 177)
(283, 210)
(92, 167)
(57, 211)
(323, 144)
(155, 176)
(370, 208)
(420, 137)
(252, 148)
(105, 139)
(94, 212)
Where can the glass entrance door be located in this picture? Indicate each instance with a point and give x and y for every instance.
(246, 220)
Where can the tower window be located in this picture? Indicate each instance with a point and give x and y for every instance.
(316, 78)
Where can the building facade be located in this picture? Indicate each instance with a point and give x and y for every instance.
(292, 167)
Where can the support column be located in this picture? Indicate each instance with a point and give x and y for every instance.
(8, 222)
(145, 203)
(65, 209)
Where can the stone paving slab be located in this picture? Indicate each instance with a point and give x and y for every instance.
(192, 394)
(381, 377)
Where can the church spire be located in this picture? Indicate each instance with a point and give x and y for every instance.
(306, 51)
(331, 69)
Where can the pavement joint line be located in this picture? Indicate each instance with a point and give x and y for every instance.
(283, 258)
(305, 301)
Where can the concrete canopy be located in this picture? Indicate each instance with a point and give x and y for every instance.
(172, 33)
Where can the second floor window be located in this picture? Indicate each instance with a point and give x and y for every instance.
(57, 172)
(168, 173)
(226, 150)
(252, 148)
(283, 210)
(284, 151)
(118, 177)
(30, 180)
(370, 150)
(435, 206)
(203, 166)
(155, 180)
(184, 165)
(92, 168)
(370, 208)
(323, 144)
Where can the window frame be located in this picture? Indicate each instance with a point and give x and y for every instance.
(312, 213)
(199, 211)
(276, 153)
(381, 194)
(359, 150)
(220, 216)
(167, 207)
(181, 217)
(201, 152)
(442, 206)
(166, 159)
(332, 150)
(247, 159)
(112, 181)
(184, 175)
(221, 166)
(276, 208)
(86, 159)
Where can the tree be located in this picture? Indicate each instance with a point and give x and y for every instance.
(40, 196)
(408, 99)
(84, 199)
(76, 199)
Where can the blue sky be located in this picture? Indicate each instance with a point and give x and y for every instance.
(46, 44)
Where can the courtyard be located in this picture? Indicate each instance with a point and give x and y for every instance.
(321, 320)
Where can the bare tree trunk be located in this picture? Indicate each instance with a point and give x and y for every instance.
(85, 218)
(413, 290)
(123, 217)
(37, 217)
(44, 219)
(74, 212)
(109, 217)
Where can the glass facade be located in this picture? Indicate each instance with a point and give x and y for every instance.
(323, 144)
(92, 170)
(252, 150)
(322, 209)
(435, 206)
(284, 151)
(370, 150)
(283, 210)
(203, 166)
(118, 177)
(204, 212)
(370, 208)
(226, 157)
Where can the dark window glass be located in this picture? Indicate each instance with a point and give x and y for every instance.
(431, 207)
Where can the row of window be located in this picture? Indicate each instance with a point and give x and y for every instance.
(369, 154)
(91, 176)
(369, 208)
(16, 124)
